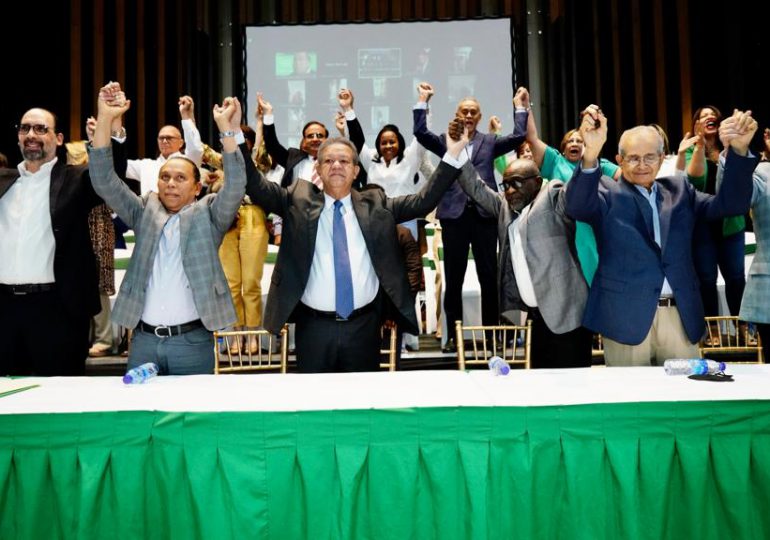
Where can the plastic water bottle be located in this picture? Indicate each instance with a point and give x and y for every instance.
(141, 374)
(692, 366)
(498, 366)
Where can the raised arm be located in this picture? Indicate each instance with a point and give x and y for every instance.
(537, 146)
(193, 146)
(507, 143)
(276, 150)
(112, 102)
(427, 138)
(583, 201)
(346, 99)
(227, 118)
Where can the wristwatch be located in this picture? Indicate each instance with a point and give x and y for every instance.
(229, 133)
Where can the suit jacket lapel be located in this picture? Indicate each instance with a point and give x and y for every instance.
(57, 181)
(7, 181)
(364, 219)
(185, 224)
(477, 141)
(644, 210)
(664, 211)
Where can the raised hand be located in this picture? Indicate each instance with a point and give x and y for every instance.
(593, 129)
(345, 99)
(766, 140)
(521, 98)
(225, 114)
(688, 142)
(457, 137)
(112, 101)
(425, 91)
(263, 106)
(186, 108)
(495, 125)
(90, 128)
(738, 130)
(340, 122)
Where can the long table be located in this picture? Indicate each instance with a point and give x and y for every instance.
(588, 453)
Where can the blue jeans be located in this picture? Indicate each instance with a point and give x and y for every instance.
(191, 353)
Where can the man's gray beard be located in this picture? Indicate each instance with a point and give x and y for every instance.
(32, 155)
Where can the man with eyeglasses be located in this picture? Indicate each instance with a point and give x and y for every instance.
(645, 299)
(539, 271)
(298, 163)
(170, 143)
(174, 293)
(48, 275)
(340, 272)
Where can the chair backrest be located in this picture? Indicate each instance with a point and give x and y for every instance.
(509, 342)
(389, 354)
(243, 351)
(726, 335)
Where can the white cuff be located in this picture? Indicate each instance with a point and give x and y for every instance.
(456, 163)
(268, 119)
(350, 115)
(421, 105)
(239, 138)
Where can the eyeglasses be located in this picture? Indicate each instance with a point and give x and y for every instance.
(648, 159)
(38, 129)
(515, 182)
(167, 138)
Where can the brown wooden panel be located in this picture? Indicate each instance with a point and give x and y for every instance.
(182, 49)
(120, 41)
(636, 36)
(685, 73)
(160, 75)
(660, 64)
(615, 27)
(97, 80)
(597, 53)
(76, 49)
(141, 93)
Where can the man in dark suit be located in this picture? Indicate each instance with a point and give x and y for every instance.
(538, 269)
(297, 162)
(48, 275)
(464, 224)
(645, 299)
(340, 272)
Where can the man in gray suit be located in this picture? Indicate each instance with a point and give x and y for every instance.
(174, 292)
(340, 272)
(538, 269)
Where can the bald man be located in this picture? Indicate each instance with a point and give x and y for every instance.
(48, 278)
(538, 267)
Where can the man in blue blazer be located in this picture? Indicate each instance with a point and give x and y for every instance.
(644, 299)
(463, 223)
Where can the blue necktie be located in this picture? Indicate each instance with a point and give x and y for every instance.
(343, 280)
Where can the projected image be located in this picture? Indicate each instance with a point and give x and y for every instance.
(296, 64)
(297, 93)
(461, 60)
(334, 88)
(461, 86)
(380, 88)
(297, 119)
(380, 116)
(423, 65)
(374, 63)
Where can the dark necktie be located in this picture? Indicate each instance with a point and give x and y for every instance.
(343, 280)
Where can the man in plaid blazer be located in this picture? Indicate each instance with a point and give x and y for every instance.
(174, 292)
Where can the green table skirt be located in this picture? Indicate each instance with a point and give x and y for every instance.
(651, 470)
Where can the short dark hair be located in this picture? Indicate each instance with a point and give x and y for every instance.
(314, 123)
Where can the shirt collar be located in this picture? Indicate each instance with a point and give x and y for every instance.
(648, 194)
(45, 168)
(329, 201)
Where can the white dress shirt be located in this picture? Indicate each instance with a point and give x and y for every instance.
(27, 243)
(320, 292)
(147, 170)
(169, 300)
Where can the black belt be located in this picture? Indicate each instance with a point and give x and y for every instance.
(333, 314)
(168, 331)
(666, 302)
(27, 288)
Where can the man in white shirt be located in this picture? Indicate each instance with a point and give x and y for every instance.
(340, 272)
(170, 143)
(48, 279)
